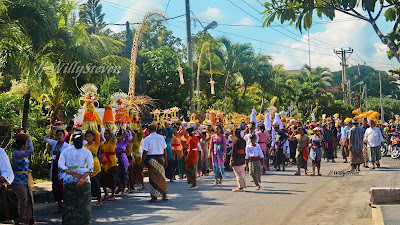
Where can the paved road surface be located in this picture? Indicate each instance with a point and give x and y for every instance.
(283, 199)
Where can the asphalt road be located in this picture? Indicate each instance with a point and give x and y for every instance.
(283, 199)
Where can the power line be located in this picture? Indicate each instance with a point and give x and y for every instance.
(124, 7)
(330, 45)
(271, 27)
(166, 8)
(123, 24)
(115, 5)
(319, 45)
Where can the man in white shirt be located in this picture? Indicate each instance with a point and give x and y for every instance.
(374, 139)
(252, 130)
(155, 158)
(6, 172)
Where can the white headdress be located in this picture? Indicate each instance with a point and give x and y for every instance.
(267, 122)
(253, 117)
(313, 117)
(277, 121)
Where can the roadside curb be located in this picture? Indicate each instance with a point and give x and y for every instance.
(377, 218)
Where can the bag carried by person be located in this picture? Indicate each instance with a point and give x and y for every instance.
(9, 205)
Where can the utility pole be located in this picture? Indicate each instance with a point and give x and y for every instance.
(365, 97)
(190, 53)
(342, 54)
(381, 98)
(349, 92)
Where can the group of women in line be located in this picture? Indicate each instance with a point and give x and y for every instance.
(83, 163)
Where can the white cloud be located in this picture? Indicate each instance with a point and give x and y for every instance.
(246, 21)
(211, 14)
(353, 33)
(136, 11)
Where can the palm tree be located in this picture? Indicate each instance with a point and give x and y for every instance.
(37, 36)
(251, 70)
(310, 85)
(231, 56)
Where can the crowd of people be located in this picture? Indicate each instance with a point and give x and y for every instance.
(83, 163)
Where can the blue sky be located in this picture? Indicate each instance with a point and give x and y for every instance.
(284, 43)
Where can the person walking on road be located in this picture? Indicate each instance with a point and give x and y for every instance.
(57, 146)
(155, 158)
(255, 160)
(344, 129)
(218, 153)
(77, 164)
(192, 157)
(263, 142)
(108, 174)
(328, 143)
(316, 150)
(356, 136)
(364, 127)
(374, 139)
(237, 161)
(302, 149)
(20, 163)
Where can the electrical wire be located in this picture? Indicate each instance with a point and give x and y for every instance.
(326, 44)
(166, 8)
(274, 28)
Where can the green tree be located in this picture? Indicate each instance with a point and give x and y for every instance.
(91, 14)
(300, 13)
(390, 107)
(231, 56)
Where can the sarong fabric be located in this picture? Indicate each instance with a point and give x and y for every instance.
(374, 153)
(356, 157)
(57, 184)
(77, 207)
(136, 174)
(301, 162)
(191, 174)
(108, 178)
(240, 175)
(158, 185)
(25, 200)
(255, 170)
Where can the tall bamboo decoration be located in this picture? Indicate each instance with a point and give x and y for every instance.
(205, 47)
(135, 48)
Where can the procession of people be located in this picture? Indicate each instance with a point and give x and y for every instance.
(112, 153)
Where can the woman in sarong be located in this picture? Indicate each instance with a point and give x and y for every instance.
(20, 164)
(263, 142)
(279, 156)
(218, 154)
(237, 161)
(177, 150)
(135, 169)
(316, 150)
(122, 160)
(57, 146)
(77, 164)
(302, 149)
(108, 165)
(255, 160)
(192, 157)
(167, 132)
